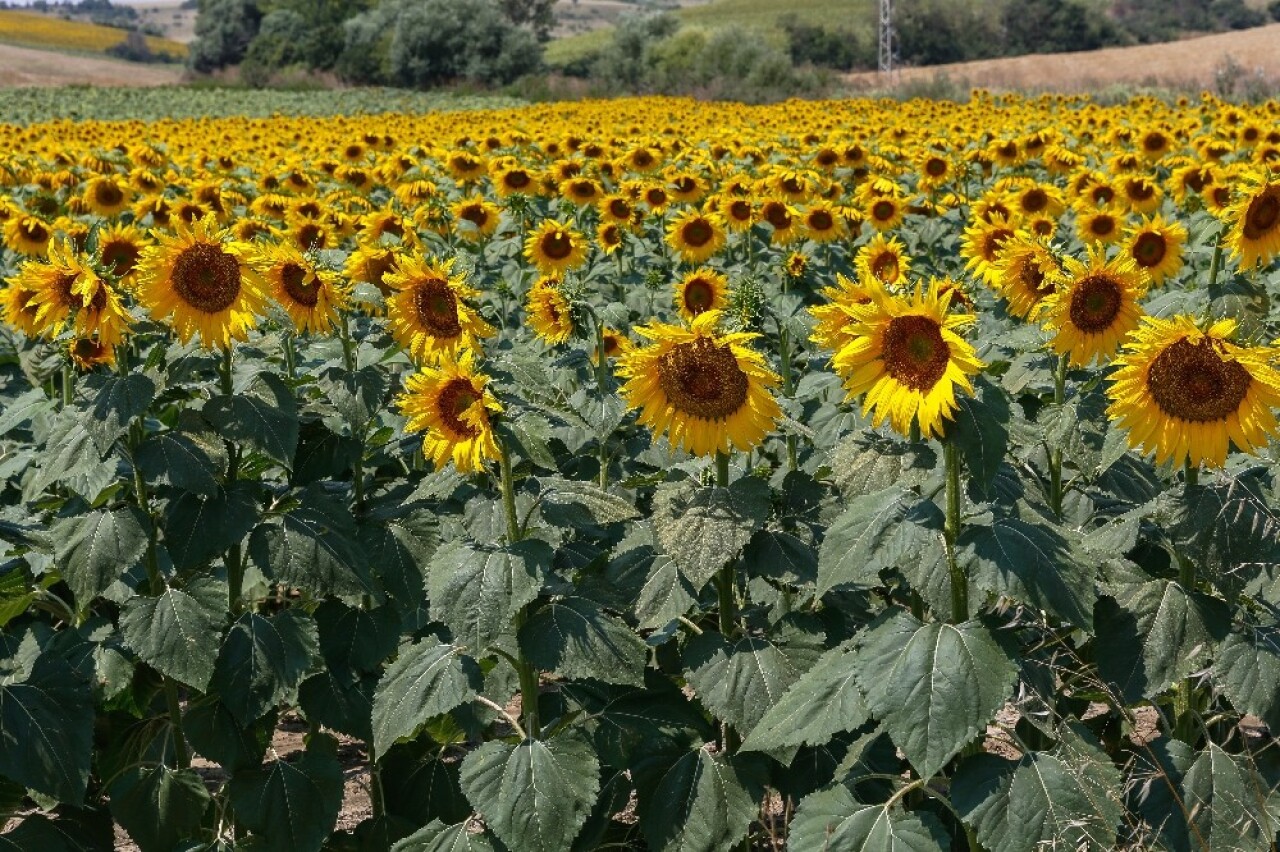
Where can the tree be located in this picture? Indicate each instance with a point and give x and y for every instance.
(536, 14)
(224, 30)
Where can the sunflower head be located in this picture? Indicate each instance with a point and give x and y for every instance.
(700, 291)
(550, 313)
(427, 312)
(696, 236)
(309, 294)
(707, 392)
(119, 251)
(1255, 226)
(981, 246)
(554, 247)
(1156, 248)
(1094, 307)
(28, 235)
(1026, 273)
(883, 258)
(835, 319)
(450, 404)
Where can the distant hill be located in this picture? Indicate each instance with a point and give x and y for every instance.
(50, 32)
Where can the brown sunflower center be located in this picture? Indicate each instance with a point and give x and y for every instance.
(517, 179)
(454, 400)
(1095, 303)
(820, 220)
(1140, 190)
(437, 308)
(619, 209)
(108, 194)
(883, 211)
(656, 197)
(699, 295)
(914, 352)
(1263, 213)
(1149, 249)
(778, 216)
(1033, 279)
(86, 349)
(1193, 382)
(34, 231)
(293, 278)
(697, 233)
(1154, 142)
(885, 267)
(206, 277)
(557, 245)
(1102, 225)
(311, 236)
(475, 214)
(994, 240)
(1035, 200)
(376, 269)
(121, 257)
(703, 380)
(1103, 195)
(935, 167)
(740, 210)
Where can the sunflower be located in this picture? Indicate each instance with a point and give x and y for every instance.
(616, 208)
(700, 291)
(1094, 307)
(884, 259)
(1098, 227)
(119, 249)
(475, 219)
(1186, 394)
(427, 313)
(1025, 273)
(696, 236)
(616, 345)
(609, 235)
(510, 178)
(581, 191)
(981, 245)
(87, 353)
(450, 405)
(1255, 226)
(203, 282)
(17, 307)
(834, 319)
(708, 392)
(371, 263)
(822, 223)
(885, 212)
(310, 294)
(1156, 247)
(737, 212)
(66, 291)
(550, 313)
(106, 196)
(28, 235)
(554, 247)
(782, 219)
(905, 356)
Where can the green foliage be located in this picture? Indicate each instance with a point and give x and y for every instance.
(224, 31)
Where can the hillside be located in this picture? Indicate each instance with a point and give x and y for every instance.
(32, 29)
(29, 66)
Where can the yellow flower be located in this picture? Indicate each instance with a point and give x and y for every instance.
(835, 318)
(1255, 226)
(696, 236)
(1156, 247)
(700, 291)
(427, 313)
(1186, 394)
(450, 405)
(202, 283)
(28, 235)
(475, 218)
(309, 294)
(707, 392)
(905, 358)
(1025, 273)
(554, 247)
(884, 259)
(1094, 307)
(550, 313)
(120, 249)
(106, 196)
(981, 246)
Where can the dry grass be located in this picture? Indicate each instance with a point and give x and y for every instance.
(25, 66)
(1190, 63)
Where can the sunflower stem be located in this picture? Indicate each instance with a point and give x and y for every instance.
(68, 382)
(1055, 454)
(1215, 266)
(725, 579)
(525, 670)
(234, 563)
(602, 377)
(1192, 473)
(951, 533)
(348, 355)
(290, 358)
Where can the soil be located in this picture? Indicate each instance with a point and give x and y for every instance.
(25, 66)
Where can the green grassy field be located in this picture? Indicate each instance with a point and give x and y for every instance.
(855, 15)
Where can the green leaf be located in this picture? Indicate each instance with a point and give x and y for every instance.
(533, 434)
(1222, 795)
(1030, 563)
(704, 528)
(833, 821)
(46, 729)
(23, 409)
(118, 401)
(534, 795)
(263, 660)
(477, 592)
(666, 594)
(265, 418)
(427, 679)
(740, 681)
(935, 686)
(867, 463)
(340, 701)
(1067, 798)
(876, 532)
(291, 807)
(357, 397)
(700, 803)
(176, 634)
(418, 778)
(781, 556)
(1154, 634)
(579, 504)
(181, 460)
(214, 732)
(1227, 528)
(435, 836)
(574, 638)
(355, 639)
(821, 703)
(95, 550)
(981, 432)
(70, 458)
(312, 546)
(159, 807)
(199, 529)
(1247, 670)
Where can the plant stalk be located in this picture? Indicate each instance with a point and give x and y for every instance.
(1055, 454)
(234, 560)
(68, 382)
(525, 670)
(602, 374)
(951, 533)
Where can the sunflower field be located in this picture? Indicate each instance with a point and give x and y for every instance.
(644, 474)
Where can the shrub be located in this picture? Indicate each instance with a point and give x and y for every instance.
(224, 31)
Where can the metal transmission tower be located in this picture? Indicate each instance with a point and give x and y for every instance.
(886, 36)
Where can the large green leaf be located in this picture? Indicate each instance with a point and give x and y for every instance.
(1154, 634)
(199, 528)
(159, 807)
(356, 397)
(69, 458)
(1228, 528)
(419, 777)
(1247, 670)
(875, 532)
(666, 594)
(1067, 798)
(177, 632)
(1031, 563)
(821, 703)
(214, 732)
(574, 638)
(833, 821)
(186, 461)
(263, 660)
(981, 431)
(46, 729)
(435, 836)
(117, 402)
(703, 528)
(740, 680)
(477, 591)
(1222, 795)
(867, 463)
(399, 549)
(23, 409)
(312, 546)
(96, 549)
(264, 418)
(935, 686)
(291, 806)
(429, 678)
(580, 504)
(699, 803)
(353, 639)
(534, 795)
